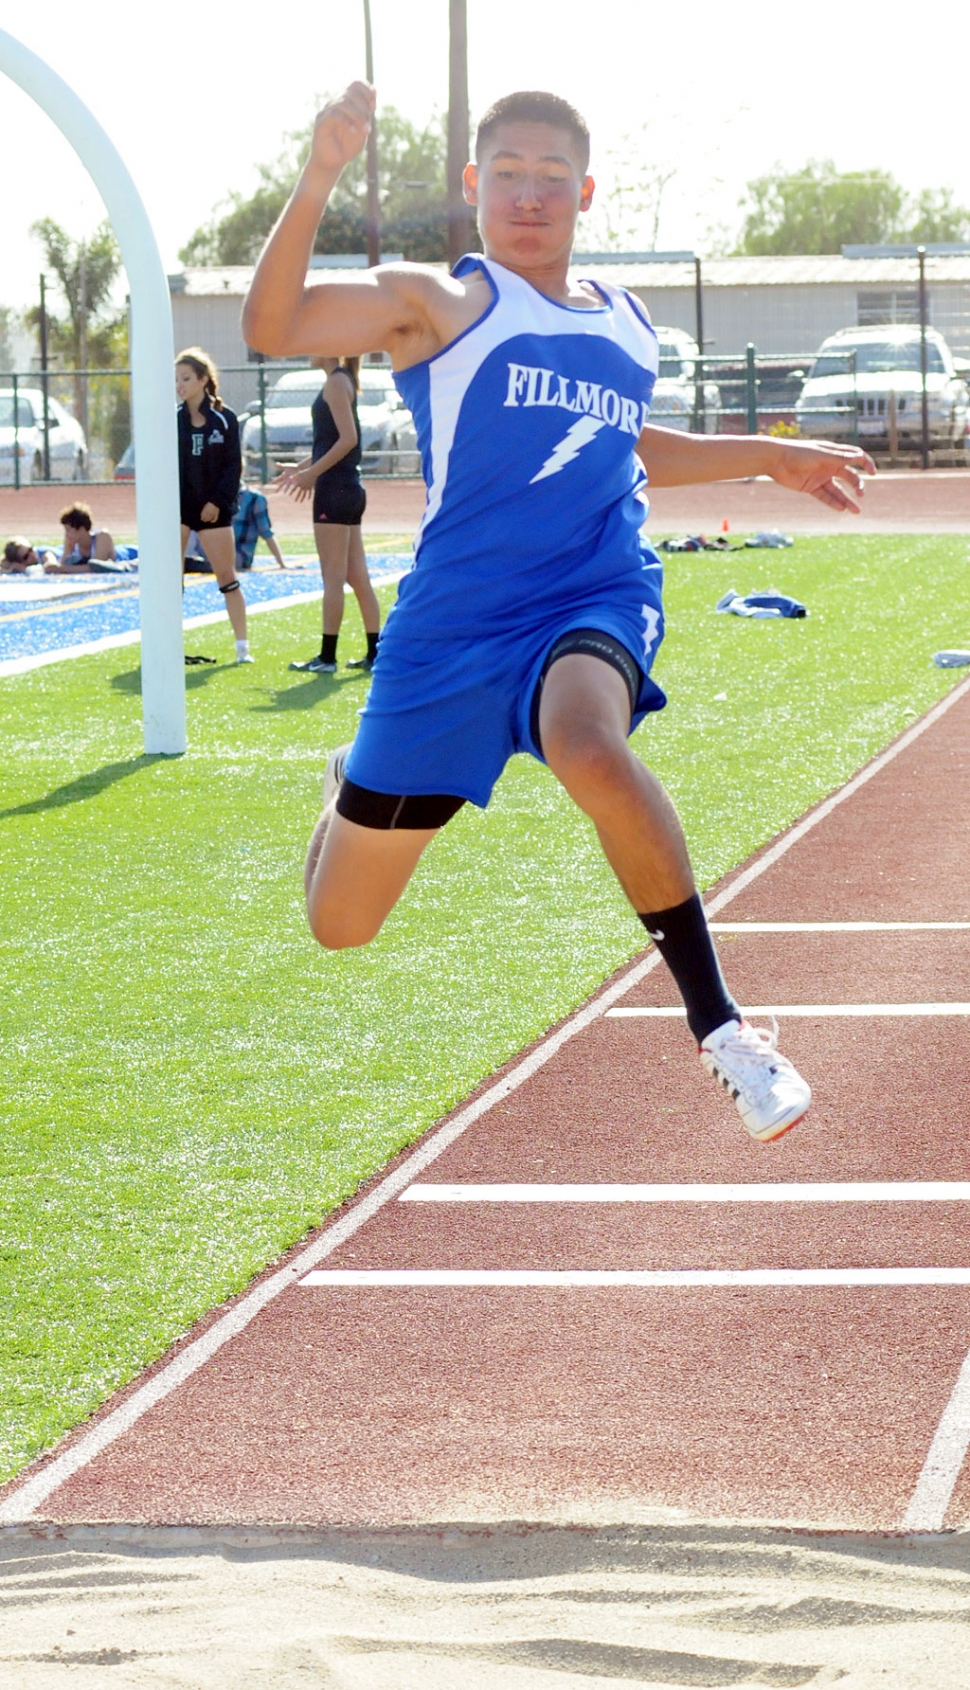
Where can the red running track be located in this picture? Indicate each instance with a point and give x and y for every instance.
(821, 1380)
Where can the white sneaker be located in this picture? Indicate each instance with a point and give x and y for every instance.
(334, 773)
(770, 1094)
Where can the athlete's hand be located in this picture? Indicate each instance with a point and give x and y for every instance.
(209, 512)
(298, 482)
(341, 128)
(830, 473)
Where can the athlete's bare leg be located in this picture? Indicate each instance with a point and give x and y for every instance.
(333, 545)
(584, 719)
(354, 876)
(360, 583)
(219, 545)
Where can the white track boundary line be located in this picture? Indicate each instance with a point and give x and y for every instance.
(22, 1504)
(651, 1278)
(945, 1457)
(111, 642)
(876, 1191)
(790, 1010)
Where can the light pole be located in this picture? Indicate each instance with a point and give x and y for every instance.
(373, 202)
(459, 215)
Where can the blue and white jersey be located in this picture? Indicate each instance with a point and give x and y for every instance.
(527, 425)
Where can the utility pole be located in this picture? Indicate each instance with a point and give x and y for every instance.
(459, 214)
(81, 383)
(373, 202)
(43, 376)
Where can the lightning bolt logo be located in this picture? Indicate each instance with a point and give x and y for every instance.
(570, 446)
(651, 629)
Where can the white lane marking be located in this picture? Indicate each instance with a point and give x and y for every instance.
(25, 1500)
(872, 1191)
(945, 1457)
(839, 926)
(650, 1277)
(815, 1009)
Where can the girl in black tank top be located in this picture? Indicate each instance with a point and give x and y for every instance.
(332, 474)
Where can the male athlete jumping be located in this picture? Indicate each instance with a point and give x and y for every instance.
(533, 613)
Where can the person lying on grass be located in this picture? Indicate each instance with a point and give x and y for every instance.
(533, 614)
(19, 556)
(88, 550)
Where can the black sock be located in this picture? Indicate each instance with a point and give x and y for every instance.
(682, 937)
(372, 640)
(328, 649)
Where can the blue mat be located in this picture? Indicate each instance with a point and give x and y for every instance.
(31, 631)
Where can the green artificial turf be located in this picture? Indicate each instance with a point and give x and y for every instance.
(189, 1083)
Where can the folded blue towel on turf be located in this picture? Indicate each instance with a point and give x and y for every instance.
(769, 539)
(951, 659)
(764, 606)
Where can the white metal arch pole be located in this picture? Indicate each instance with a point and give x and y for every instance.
(152, 358)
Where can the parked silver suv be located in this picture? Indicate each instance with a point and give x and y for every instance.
(867, 384)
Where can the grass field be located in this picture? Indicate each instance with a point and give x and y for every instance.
(189, 1083)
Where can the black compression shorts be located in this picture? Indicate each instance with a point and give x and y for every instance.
(342, 502)
(191, 517)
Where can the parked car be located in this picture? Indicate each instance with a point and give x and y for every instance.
(289, 425)
(778, 385)
(125, 467)
(860, 376)
(396, 450)
(68, 447)
(677, 401)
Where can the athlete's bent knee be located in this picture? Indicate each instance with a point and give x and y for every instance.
(340, 930)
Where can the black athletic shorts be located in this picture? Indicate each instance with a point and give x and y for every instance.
(342, 502)
(388, 810)
(191, 517)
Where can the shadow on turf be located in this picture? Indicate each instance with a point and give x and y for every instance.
(85, 786)
(305, 694)
(130, 681)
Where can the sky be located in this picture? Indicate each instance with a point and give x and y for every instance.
(196, 95)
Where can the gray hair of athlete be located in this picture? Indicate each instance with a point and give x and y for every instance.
(534, 106)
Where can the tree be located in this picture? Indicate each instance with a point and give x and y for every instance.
(7, 319)
(93, 334)
(85, 271)
(413, 200)
(636, 174)
(820, 209)
(936, 218)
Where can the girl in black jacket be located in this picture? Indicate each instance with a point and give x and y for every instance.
(210, 466)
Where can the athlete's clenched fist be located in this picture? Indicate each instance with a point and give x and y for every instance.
(341, 128)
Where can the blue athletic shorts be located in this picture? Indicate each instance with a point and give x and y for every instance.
(445, 717)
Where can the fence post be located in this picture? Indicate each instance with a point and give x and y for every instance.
(752, 386)
(700, 417)
(263, 458)
(44, 378)
(925, 406)
(16, 431)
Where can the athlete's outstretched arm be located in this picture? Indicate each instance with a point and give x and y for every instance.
(341, 315)
(830, 473)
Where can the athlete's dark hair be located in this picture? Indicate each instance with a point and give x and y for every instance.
(351, 368)
(205, 369)
(76, 516)
(533, 106)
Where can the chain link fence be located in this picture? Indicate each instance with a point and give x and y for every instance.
(895, 381)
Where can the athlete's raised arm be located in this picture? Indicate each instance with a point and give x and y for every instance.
(830, 473)
(340, 315)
